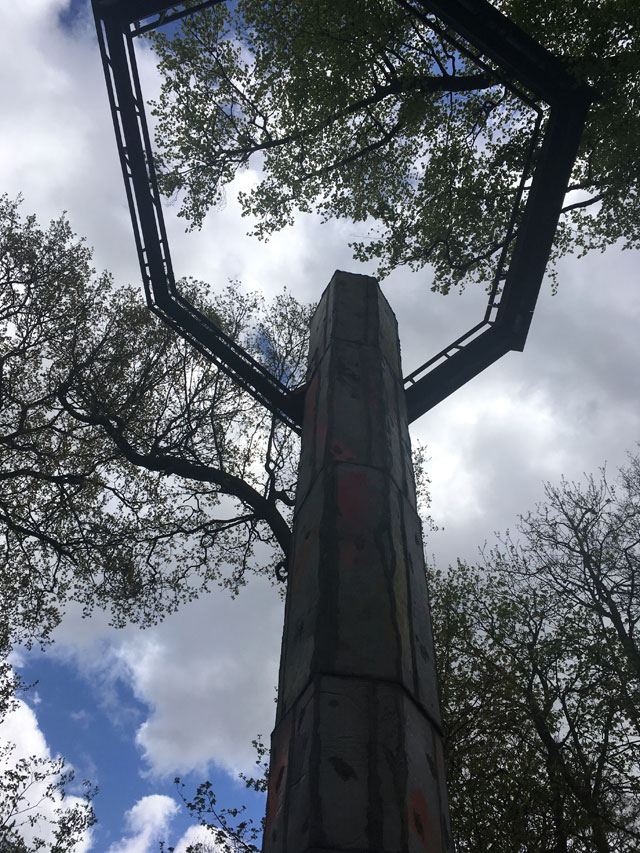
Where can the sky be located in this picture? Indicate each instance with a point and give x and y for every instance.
(132, 709)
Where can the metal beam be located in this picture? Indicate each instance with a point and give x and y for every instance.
(520, 59)
(136, 157)
(128, 11)
(526, 271)
(516, 52)
(540, 220)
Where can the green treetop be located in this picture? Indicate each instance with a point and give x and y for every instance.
(358, 110)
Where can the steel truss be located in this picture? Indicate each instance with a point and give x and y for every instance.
(560, 104)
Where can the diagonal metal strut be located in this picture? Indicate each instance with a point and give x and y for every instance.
(136, 158)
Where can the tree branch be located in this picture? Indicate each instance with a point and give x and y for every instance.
(228, 484)
(402, 85)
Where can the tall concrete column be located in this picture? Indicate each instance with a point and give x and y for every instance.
(356, 754)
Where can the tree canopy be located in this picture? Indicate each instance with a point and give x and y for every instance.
(135, 474)
(357, 109)
(538, 655)
(35, 813)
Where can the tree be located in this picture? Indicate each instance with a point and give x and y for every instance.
(227, 830)
(32, 805)
(583, 546)
(35, 810)
(134, 473)
(359, 110)
(536, 657)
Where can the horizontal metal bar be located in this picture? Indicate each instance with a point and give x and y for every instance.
(455, 372)
(521, 56)
(176, 16)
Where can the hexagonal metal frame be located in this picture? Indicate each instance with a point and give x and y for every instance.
(508, 316)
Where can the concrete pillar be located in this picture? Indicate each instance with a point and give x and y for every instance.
(356, 754)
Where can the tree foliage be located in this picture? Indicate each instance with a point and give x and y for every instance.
(37, 809)
(33, 813)
(134, 473)
(359, 110)
(537, 654)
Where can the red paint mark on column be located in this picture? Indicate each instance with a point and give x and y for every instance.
(356, 498)
(420, 822)
(358, 517)
(341, 452)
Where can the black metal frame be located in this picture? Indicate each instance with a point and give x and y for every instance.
(508, 316)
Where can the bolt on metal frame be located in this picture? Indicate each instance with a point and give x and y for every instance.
(514, 56)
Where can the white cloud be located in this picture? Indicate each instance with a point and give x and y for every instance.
(195, 835)
(207, 675)
(564, 405)
(56, 136)
(147, 824)
(20, 727)
(81, 717)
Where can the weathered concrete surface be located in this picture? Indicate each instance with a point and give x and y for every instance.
(356, 755)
